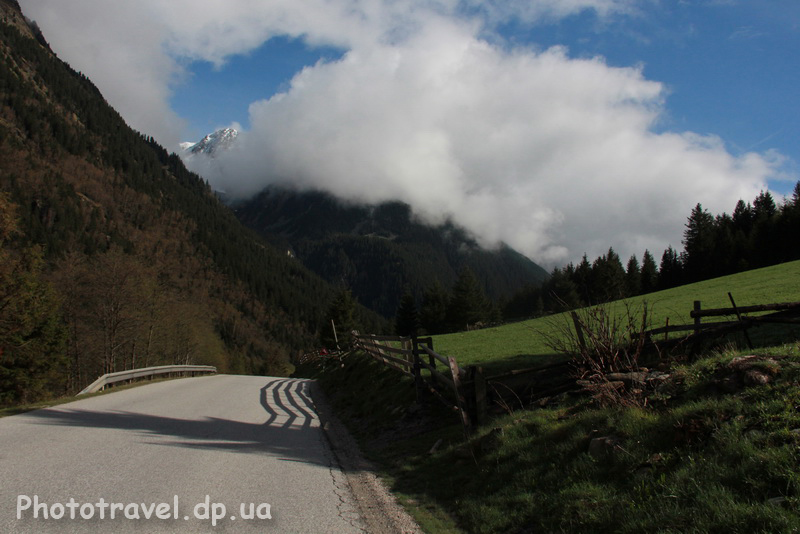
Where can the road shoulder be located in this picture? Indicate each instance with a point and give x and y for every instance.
(378, 508)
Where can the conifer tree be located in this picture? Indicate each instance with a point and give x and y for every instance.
(790, 226)
(32, 334)
(723, 258)
(341, 313)
(468, 304)
(561, 293)
(525, 303)
(633, 277)
(583, 279)
(764, 206)
(407, 318)
(433, 312)
(698, 242)
(649, 273)
(743, 217)
(608, 278)
(766, 248)
(669, 272)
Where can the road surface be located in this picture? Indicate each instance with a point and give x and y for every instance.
(210, 454)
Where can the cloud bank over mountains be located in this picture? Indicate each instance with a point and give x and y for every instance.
(555, 155)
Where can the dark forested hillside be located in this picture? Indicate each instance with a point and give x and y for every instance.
(757, 234)
(380, 252)
(137, 261)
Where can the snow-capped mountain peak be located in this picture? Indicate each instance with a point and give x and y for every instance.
(212, 143)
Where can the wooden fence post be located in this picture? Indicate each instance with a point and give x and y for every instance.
(408, 345)
(697, 319)
(479, 392)
(465, 419)
(431, 359)
(417, 370)
(579, 330)
(739, 316)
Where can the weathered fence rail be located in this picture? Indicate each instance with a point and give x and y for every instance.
(717, 312)
(378, 347)
(469, 392)
(783, 313)
(464, 390)
(121, 376)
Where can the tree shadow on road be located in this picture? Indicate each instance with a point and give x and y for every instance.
(291, 430)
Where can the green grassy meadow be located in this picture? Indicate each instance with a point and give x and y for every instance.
(698, 457)
(523, 344)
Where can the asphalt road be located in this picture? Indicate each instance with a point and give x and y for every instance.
(165, 450)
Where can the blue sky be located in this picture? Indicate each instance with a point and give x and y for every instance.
(212, 97)
(557, 126)
(730, 69)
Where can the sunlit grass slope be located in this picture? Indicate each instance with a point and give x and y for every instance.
(524, 344)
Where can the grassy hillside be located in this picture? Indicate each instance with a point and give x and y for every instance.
(523, 344)
(716, 448)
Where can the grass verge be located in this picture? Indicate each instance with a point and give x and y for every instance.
(716, 448)
(711, 452)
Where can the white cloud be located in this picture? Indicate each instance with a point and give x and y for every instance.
(119, 46)
(133, 51)
(557, 156)
(551, 154)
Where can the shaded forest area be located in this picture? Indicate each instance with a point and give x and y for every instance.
(113, 255)
(757, 234)
(380, 251)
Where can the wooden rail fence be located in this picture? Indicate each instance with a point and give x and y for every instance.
(783, 313)
(468, 391)
(464, 390)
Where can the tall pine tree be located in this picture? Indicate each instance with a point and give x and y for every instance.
(407, 319)
(433, 312)
(32, 334)
(468, 304)
(633, 277)
(608, 278)
(670, 272)
(649, 276)
(341, 316)
(698, 242)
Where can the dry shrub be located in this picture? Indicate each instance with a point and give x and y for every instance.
(603, 344)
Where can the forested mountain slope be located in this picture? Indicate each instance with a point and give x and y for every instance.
(137, 260)
(382, 251)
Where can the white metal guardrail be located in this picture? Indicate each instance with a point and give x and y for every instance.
(120, 376)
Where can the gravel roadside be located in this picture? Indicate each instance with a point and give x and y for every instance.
(379, 510)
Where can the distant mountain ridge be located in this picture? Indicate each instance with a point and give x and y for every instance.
(379, 251)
